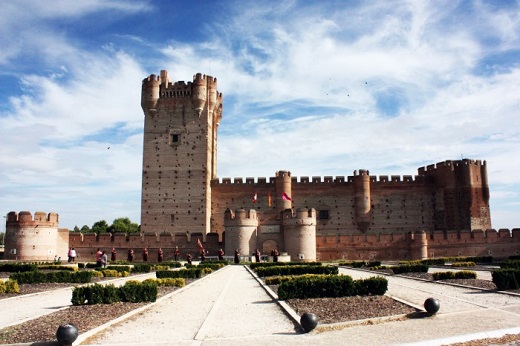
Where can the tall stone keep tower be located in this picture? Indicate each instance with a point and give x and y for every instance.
(179, 153)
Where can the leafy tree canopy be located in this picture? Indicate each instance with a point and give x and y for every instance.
(100, 227)
(85, 229)
(124, 225)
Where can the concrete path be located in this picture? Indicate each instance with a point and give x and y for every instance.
(229, 307)
(17, 310)
(225, 308)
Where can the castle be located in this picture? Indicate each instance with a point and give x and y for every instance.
(441, 211)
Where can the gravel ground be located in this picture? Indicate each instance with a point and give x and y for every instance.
(328, 310)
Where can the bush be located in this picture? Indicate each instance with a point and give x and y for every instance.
(169, 282)
(142, 268)
(329, 286)
(465, 274)
(513, 264)
(191, 273)
(36, 277)
(276, 280)
(9, 286)
(463, 264)
(295, 270)
(119, 268)
(506, 279)
(132, 291)
(18, 267)
(211, 265)
(371, 286)
(277, 264)
(410, 268)
(56, 267)
(110, 273)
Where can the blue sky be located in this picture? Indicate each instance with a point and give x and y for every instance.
(320, 88)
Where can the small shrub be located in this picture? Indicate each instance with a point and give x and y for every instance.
(506, 279)
(464, 274)
(10, 286)
(463, 264)
(410, 268)
(18, 267)
(191, 273)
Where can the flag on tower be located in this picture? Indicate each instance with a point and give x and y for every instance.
(285, 197)
(269, 199)
(255, 197)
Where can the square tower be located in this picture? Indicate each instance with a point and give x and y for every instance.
(179, 153)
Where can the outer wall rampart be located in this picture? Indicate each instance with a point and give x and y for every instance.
(86, 245)
(499, 244)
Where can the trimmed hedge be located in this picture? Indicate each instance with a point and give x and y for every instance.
(331, 286)
(9, 286)
(211, 265)
(410, 268)
(276, 280)
(118, 268)
(463, 264)
(37, 277)
(56, 267)
(18, 267)
(132, 291)
(513, 264)
(167, 282)
(142, 268)
(465, 274)
(114, 273)
(277, 264)
(295, 270)
(506, 279)
(191, 273)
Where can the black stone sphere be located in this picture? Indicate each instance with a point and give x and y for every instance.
(308, 321)
(67, 334)
(432, 305)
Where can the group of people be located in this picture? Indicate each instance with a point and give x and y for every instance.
(102, 257)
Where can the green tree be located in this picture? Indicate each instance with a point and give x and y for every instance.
(123, 225)
(100, 227)
(76, 229)
(85, 229)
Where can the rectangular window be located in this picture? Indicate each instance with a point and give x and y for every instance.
(323, 214)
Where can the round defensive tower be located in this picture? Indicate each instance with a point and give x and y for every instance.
(283, 185)
(150, 89)
(240, 231)
(299, 232)
(362, 199)
(31, 239)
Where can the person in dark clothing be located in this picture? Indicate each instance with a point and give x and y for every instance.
(160, 255)
(237, 258)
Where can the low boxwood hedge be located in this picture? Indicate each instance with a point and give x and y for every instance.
(331, 286)
(132, 291)
(465, 274)
(18, 267)
(277, 264)
(295, 270)
(190, 273)
(9, 286)
(36, 277)
(410, 268)
(506, 279)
